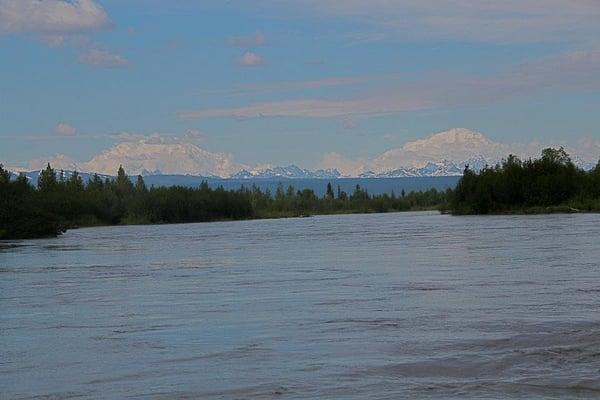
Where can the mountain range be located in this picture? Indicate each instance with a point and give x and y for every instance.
(441, 154)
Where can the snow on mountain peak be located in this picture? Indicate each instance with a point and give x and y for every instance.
(443, 153)
(58, 162)
(154, 154)
(165, 156)
(455, 136)
(454, 145)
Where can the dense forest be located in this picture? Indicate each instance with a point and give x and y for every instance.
(59, 203)
(551, 183)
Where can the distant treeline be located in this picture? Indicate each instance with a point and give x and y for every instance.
(551, 183)
(59, 203)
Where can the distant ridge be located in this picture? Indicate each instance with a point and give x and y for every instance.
(289, 172)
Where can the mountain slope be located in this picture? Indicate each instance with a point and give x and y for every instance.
(456, 146)
(289, 172)
(147, 157)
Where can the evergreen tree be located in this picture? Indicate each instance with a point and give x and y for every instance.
(75, 183)
(4, 176)
(140, 185)
(95, 183)
(47, 180)
(279, 194)
(290, 192)
(329, 191)
(124, 186)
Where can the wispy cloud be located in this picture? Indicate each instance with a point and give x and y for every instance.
(64, 129)
(102, 58)
(51, 16)
(570, 72)
(507, 21)
(301, 85)
(311, 108)
(190, 136)
(258, 39)
(250, 59)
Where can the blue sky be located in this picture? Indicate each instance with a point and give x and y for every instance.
(288, 81)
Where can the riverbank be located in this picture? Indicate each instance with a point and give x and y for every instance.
(534, 211)
(261, 216)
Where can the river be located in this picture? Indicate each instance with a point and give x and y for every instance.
(380, 306)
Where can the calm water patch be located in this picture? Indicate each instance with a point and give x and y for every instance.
(388, 306)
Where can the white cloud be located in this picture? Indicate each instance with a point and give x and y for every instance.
(64, 129)
(61, 23)
(577, 71)
(250, 59)
(102, 58)
(51, 16)
(258, 39)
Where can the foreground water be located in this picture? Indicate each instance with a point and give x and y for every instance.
(413, 305)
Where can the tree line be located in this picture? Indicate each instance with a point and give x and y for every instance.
(551, 183)
(59, 203)
(548, 184)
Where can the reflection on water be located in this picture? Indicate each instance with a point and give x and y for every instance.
(414, 305)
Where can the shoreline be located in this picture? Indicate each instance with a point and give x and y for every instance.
(531, 211)
(256, 218)
(559, 210)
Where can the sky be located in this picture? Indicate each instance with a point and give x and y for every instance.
(281, 82)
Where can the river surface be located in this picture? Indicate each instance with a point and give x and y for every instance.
(388, 306)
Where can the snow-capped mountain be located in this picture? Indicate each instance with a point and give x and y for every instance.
(450, 149)
(58, 162)
(148, 155)
(447, 153)
(289, 172)
(163, 156)
(443, 168)
(441, 154)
